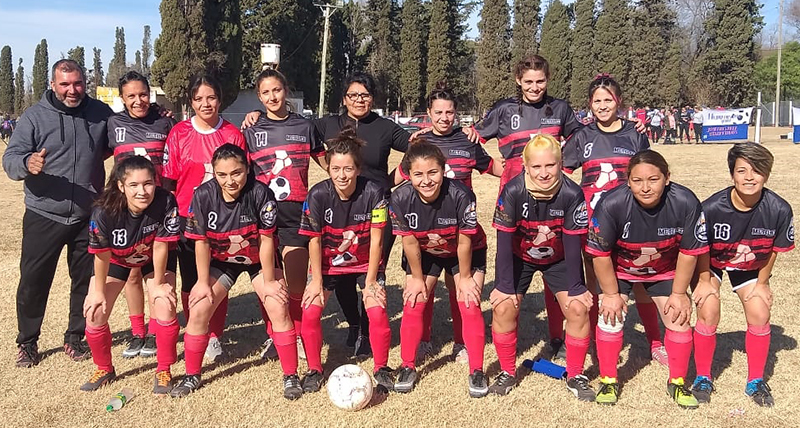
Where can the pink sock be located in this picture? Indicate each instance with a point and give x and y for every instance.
(576, 354)
(185, 305)
(137, 325)
(194, 347)
(427, 320)
(296, 311)
(609, 345)
(166, 342)
(679, 350)
(555, 318)
(411, 328)
(473, 333)
(648, 312)
(217, 323)
(286, 345)
(705, 342)
(312, 336)
(380, 336)
(505, 344)
(99, 340)
(756, 344)
(455, 313)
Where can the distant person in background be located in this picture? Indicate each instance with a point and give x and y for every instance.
(6, 127)
(683, 124)
(697, 121)
(670, 125)
(656, 122)
(631, 114)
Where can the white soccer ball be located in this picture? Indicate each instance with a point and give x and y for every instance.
(596, 198)
(280, 187)
(350, 387)
(282, 160)
(607, 175)
(448, 172)
(541, 253)
(435, 244)
(239, 260)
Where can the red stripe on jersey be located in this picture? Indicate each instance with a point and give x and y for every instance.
(168, 239)
(695, 252)
(297, 150)
(157, 146)
(651, 278)
(519, 139)
(783, 249)
(597, 253)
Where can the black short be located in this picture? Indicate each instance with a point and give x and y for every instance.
(123, 273)
(555, 276)
(653, 289)
(433, 266)
(288, 225)
(739, 278)
(227, 273)
(331, 282)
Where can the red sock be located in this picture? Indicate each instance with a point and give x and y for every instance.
(99, 340)
(455, 314)
(505, 344)
(705, 342)
(411, 328)
(609, 345)
(137, 325)
(312, 336)
(286, 345)
(473, 333)
(555, 318)
(576, 354)
(756, 344)
(679, 350)
(380, 336)
(648, 312)
(185, 305)
(194, 347)
(217, 323)
(166, 342)
(151, 326)
(427, 319)
(296, 311)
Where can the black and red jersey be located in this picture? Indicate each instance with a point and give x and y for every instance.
(187, 156)
(232, 229)
(538, 225)
(462, 156)
(744, 240)
(515, 122)
(438, 224)
(129, 136)
(603, 156)
(130, 238)
(644, 243)
(280, 151)
(344, 225)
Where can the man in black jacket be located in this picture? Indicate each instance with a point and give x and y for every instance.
(57, 150)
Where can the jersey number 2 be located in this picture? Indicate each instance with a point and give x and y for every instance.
(212, 220)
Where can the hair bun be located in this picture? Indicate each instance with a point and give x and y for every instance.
(441, 85)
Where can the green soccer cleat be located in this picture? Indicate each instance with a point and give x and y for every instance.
(609, 391)
(681, 395)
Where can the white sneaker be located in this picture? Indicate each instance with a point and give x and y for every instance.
(268, 351)
(213, 350)
(424, 351)
(301, 352)
(460, 353)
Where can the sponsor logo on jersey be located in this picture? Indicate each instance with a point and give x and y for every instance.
(471, 215)
(624, 151)
(446, 221)
(556, 213)
(700, 229)
(119, 134)
(244, 218)
(269, 212)
(760, 231)
(457, 152)
(360, 217)
(581, 216)
(667, 231)
(149, 228)
(296, 138)
(551, 121)
(155, 136)
(172, 222)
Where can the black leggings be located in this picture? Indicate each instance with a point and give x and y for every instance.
(698, 132)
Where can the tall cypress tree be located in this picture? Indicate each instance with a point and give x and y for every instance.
(526, 25)
(137, 62)
(653, 23)
(440, 44)
(670, 79)
(224, 40)
(583, 58)
(383, 49)
(41, 63)
(147, 50)
(555, 46)
(118, 65)
(348, 29)
(19, 89)
(612, 40)
(96, 76)
(494, 53)
(77, 54)
(730, 52)
(6, 81)
(412, 49)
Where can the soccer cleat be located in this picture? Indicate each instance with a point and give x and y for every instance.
(186, 386)
(759, 391)
(352, 336)
(268, 350)
(76, 350)
(28, 355)
(702, 389)
(659, 355)
(98, 379)
(363, 348)
(162, 383)
(406, 379)
(135, 345)
(503, 384)
(579, 386)
(424, 351)
(312, 381)
(609, 391)
(385, 379)
(460, 354)
(557, 349)
(291, 387)
(149, 348)
(478, 384)
(301, 351)
(213, 350)
(681, 395)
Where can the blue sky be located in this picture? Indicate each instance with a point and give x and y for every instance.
(91, 23)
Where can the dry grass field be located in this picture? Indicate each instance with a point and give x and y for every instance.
(244, 391)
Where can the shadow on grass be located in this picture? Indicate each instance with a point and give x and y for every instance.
(734, 341)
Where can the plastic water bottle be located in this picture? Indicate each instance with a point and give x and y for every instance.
(546, 367)
(119, 400)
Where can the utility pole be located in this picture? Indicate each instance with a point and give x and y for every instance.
(778, 77)
(327, 10)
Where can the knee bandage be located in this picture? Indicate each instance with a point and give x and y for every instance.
(607, 327)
